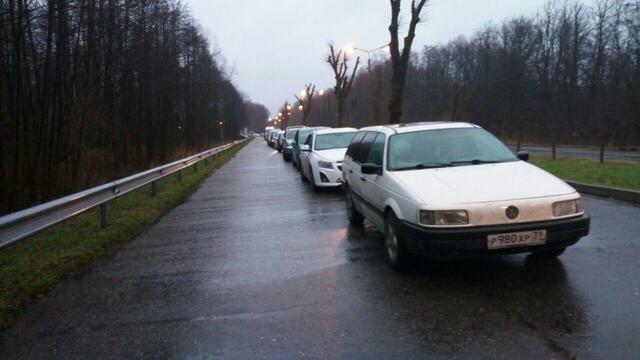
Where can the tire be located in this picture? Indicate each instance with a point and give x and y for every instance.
(312, 180)
(395, 245)
(355, 218)
(548, 254)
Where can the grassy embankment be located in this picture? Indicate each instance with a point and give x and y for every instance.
(625, 175)
(35, 265)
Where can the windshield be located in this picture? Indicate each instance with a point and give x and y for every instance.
(333, 141)
(446, 147)
(291, 134)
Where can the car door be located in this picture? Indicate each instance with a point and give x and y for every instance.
(349, 161)
(370, 186)
(304, 156)
(296, 147)
(358, 182)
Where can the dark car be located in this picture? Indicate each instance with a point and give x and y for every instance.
(289, 136)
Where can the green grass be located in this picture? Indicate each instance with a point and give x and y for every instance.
(33, 266)
(618, 174)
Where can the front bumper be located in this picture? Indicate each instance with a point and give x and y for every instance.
(472, 241)
(328, 177)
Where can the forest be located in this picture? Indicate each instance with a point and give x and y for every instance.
(568, 75)
(92, 90)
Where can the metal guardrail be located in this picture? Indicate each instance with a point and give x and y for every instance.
(18, 225)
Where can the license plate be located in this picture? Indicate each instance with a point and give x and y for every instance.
(524, 238)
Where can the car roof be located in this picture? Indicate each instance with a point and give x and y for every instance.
(315, 128)
(335, 130)
(419, 126)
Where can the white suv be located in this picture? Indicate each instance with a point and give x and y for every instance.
(446, 189)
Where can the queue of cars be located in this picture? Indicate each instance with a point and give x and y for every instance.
(439, 189)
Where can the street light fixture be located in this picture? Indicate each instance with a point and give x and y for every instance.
(352, 48)
(321, 92)
(349, 49)
(300, 107)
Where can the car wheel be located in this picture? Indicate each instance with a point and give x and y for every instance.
(548, 254)
(395, 244)
(312, 180)
(355, 218)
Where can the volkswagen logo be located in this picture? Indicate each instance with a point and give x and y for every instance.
(512, 212)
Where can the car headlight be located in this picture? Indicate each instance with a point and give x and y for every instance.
(569, 207)
(325, 164)
(444, 217)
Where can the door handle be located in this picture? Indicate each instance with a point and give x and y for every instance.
(363, 179)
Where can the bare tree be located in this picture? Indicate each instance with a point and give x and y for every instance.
(344, 82)
(306, 101)
(94, 90)
(400, 61)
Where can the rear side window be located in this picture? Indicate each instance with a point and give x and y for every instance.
(377, 149)
(362, 151)
(355, 143)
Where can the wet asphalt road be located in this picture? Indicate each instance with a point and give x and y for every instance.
(255, 265)
(583, 153)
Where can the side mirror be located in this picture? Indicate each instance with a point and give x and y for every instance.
(304, 148)
(523, 155)
(371, 169)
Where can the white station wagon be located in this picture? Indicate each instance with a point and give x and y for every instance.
(450, 189)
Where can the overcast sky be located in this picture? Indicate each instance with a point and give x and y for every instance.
(276, 46)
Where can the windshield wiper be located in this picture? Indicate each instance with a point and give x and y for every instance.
(424, 166)
(474, 162)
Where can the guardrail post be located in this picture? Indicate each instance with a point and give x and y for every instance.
(103, 215)
(195, 167)
(180, 175)
(205, 160)
(154, 188)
